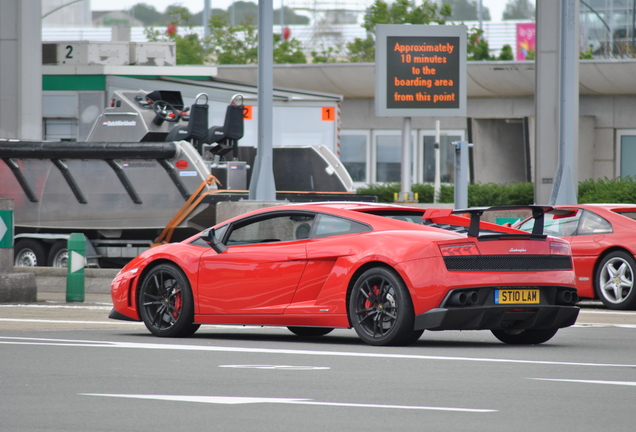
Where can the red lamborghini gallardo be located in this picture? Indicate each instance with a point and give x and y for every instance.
(388, 271)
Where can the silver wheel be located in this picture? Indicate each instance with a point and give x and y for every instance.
(615, 281)
(58, 257)
(29, 253)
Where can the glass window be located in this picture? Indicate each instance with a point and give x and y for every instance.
(581, 222)
(628, 155)
(446, 157)
(273, 228)
(555, 225)
(591, 223)
(331, 226)
(353, 154)
(388, 158)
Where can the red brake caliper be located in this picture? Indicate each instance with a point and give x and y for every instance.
(178, 302)
(375, 291)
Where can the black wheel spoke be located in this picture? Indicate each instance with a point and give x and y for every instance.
(381, 309)
(165, 303)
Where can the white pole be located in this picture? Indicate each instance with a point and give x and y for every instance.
(437, 185)
(405, 193)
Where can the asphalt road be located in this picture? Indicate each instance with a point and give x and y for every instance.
(66, 367)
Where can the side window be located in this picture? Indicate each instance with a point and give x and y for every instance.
(279, 227)
(332, 226)
(592, 223)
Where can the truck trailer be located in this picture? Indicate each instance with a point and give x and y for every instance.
(150, 171)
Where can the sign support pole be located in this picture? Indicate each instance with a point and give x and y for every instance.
(437, 184)
(405, 193)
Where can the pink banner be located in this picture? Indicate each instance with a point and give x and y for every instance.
(526, 39)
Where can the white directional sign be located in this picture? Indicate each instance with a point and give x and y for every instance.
(78, 262)
(6, 229)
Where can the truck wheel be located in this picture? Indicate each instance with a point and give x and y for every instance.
(29, 253)
(58, 256)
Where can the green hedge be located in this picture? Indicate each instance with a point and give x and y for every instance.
(619, 190)
(494, 194)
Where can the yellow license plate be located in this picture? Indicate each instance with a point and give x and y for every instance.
(517, 296)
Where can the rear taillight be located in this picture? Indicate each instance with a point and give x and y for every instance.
(465, 249)
(560, 249)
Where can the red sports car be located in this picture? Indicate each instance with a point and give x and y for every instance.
(603, 241)
(388, 271)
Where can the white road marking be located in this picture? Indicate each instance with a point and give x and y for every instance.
(68, 321)
(607, 312)
(57, 306)
(276, 367)
(7, 340)
(226, 400)
(600, 325)
(621, 383)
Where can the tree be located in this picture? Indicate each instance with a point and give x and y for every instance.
(190, 49)
(519, 9)
(399, 12)
(244, 12)
(148, 15)
(467, 10)
(233, 44)
(477, 46)
(288, 51)
(506, 53)
(289, 17)
(238, 44)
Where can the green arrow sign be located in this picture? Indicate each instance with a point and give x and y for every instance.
(6, 228)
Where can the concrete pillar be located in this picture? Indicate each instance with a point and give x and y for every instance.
(21, 69)
(546, 98)
(556, 102)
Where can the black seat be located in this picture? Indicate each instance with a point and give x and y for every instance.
(196, 130)
(224, 139)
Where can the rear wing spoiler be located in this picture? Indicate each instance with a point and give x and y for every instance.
(439, 215)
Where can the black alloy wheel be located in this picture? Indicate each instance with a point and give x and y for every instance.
(166, 305)
(381, 309)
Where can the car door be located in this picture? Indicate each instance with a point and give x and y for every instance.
(332, 238)
(260, 270)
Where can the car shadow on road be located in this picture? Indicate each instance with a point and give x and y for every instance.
(340, 337)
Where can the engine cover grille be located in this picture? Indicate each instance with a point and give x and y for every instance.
(508, 263)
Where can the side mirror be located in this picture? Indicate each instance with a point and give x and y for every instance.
(215, 243)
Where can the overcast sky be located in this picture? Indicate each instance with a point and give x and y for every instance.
(496, 6)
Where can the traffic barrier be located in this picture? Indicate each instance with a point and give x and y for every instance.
(13, 287)
(75, 281)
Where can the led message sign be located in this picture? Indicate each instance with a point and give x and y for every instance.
(420, 71)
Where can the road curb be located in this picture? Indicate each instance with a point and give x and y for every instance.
(51, 279)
